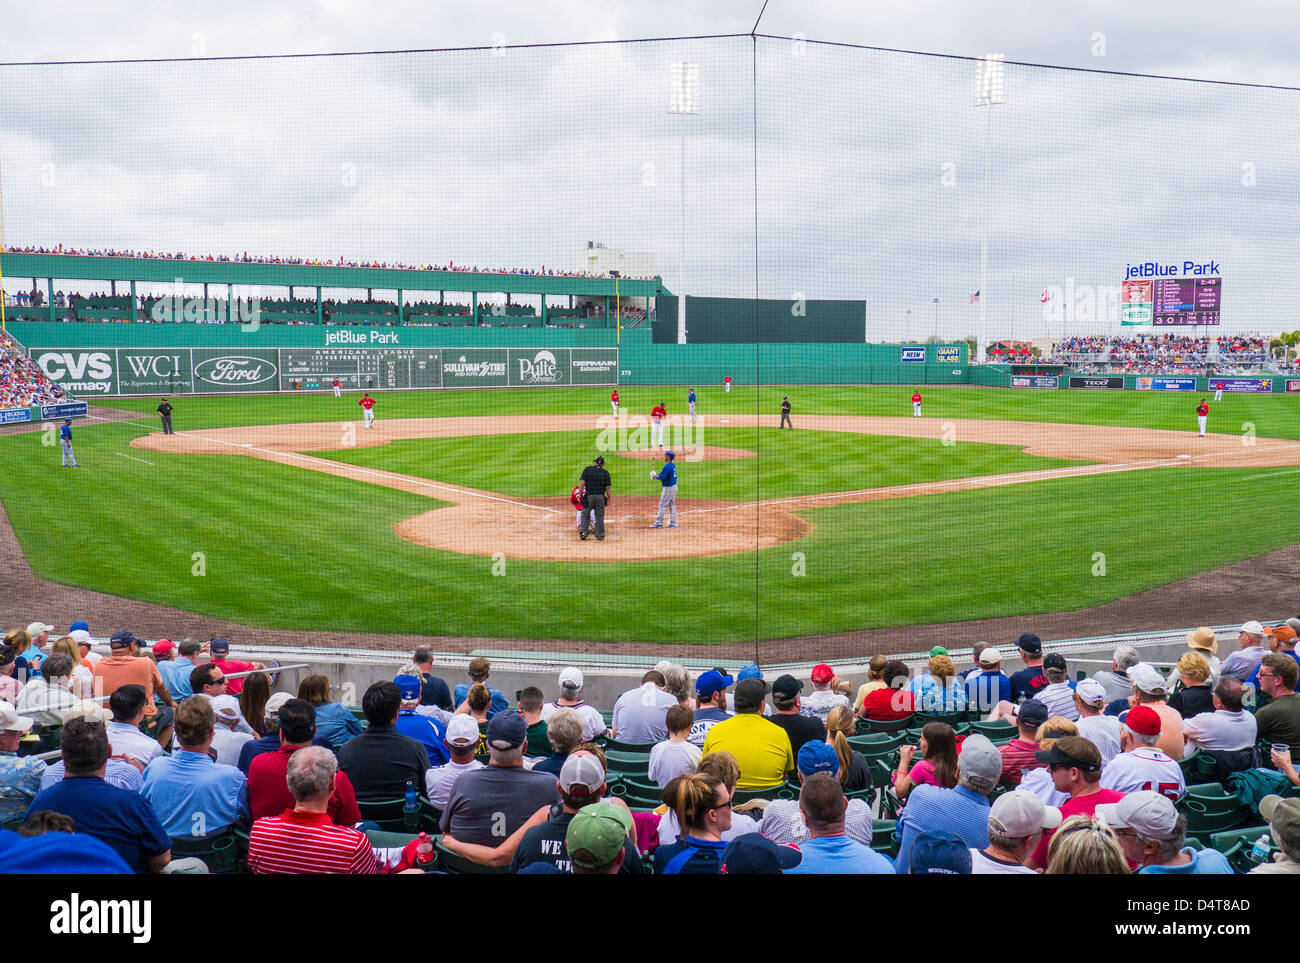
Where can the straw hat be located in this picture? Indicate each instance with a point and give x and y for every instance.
(1204, 640)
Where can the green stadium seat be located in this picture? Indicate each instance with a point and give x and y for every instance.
(999, 733)
(627, 763)
(884, 839)
(883, 725)
(1236, 845)
(458, 865)
(390, 815)
(386, 840)
(1210, 809)
(878, 743)
(220, 853)
(742, 796)
(617, 746)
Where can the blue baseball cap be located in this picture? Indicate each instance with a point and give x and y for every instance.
(939, 852)
(753, 854)
(711, 682)
(409, 686)
(815, 757)
(669, 454)
(750, 671)
(1028, 642)
(507, 730)
(78, 625)
(219, 646)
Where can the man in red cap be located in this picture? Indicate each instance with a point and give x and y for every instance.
(1141, 765)
(823, 697)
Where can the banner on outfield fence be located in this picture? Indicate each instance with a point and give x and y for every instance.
(74, 409)
(911, 354)
(1035, 381)
(179, 371)
(1248, 385)
(1293, 386)
(11, 416)
(1115, 383)
(1166, 384)
(947, 355)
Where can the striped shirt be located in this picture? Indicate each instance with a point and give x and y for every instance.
(1059, 699)
(1017, 756)
(1103, 732)
(299, 842)
(961, 811)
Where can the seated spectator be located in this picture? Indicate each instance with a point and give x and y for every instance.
(564, 733)
(422, 729)
(252, 703)
(128, 705)
(1018, 755)
(1279, 721)
(963, 810)
(47, 698)
(1283, 818)
(478, 702)
(829, 849)
(894, 701)
(268, 792)
(1115, 680)
(855, 773)
(20, 777)
(176, 672)
(1281, 641)
(1075, 766)
(1029, 681)
(1017, 821)
(10, 686)
(596, 839)
(531, 699)
(1151, 689)
(639, 713)
(1195, 696)
(755, 855)
(1039, 781)
(1203, 643)
(938, 690)
(1093, 724)
(271, 741)
(677, 755)
(334, 720)
(193, 796)
(937, 765)
(875, 680)
(124, 820)
(593, 723)
(722, 766)
(783, 820)
(1151, 833)
(304, 839)
(479, 671)
(487, 805)
(36, 850)
(711, 700)
(678, 685)
(220, 649)
(125, 666)
(761, 747)
(1241, 663)
(1057, 695)
(433, 690)
(128, 775)
(702, 805)
(823, 697)
(1229, 727)
(1082, 846)
(381, 761)
(789, 716)
(83, 686)
(987, 684)
(227, 741)
(1142, 765)
(26, 662)
(462, 745)
(939, 853)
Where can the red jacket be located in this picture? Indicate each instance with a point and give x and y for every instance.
(268, 789)
(575, 496)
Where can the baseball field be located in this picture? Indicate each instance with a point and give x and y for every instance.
(450, 519)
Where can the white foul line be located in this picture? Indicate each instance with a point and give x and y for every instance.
(1272, 474)
(133, 458)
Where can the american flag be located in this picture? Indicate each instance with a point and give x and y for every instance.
(974, 297)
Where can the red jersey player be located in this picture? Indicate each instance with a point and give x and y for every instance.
(575, 499)
(338, 388)
(916, 404)
(1202, 414)
(368, 403)
(657, 415)
(613, 400)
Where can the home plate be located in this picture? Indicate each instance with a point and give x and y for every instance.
(1183, 456)
(726, 421)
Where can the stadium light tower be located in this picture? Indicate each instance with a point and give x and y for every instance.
(684, 101)
(989, 90)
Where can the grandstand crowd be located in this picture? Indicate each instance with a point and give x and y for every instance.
(1160, 354)
(181, 758)
(22, 383)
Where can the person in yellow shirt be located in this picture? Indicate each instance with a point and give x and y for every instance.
(761, 747)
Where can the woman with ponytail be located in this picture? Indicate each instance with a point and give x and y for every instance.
(702, 804)
(855, 774)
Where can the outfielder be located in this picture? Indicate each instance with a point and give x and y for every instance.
(368, 404)
(613, 401)
(726, 384)
(1202, 415)
(690, 400)
(657, 415)
(575, 499)
(1218, 391)
(916, 404)
(668, 499)
(338, 389)
(65, 440)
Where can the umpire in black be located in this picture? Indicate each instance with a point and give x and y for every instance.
(596, 478)
(165, 411)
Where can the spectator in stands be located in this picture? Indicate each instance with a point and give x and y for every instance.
(420, 728)
(479, 671)
(1283, 818)
(1281, 640)
(1240, 664)
(564, 732)
(531, 699)
(799, 727)
(986, 684)
(208, 681)
(1101, 730)
(381, 761)
(193, 796)
(939, 852)
(723, 766)
(48, 698)
(462, 745)
(1039, 781)
(1194, 697)
(334, 720)
(829, 849)
(963, 810)
(593, 723)
(639, 713)
(711, 701)
(271, 742)
(875, 680)
(678, 683)
(304, 839)
(1019, 755)
(433, 690)
(1026, 683)
(126, 775)
(253, 700)
(20, 777)
(1152, 832)
(783, 820)
(268, 791)
(124, 667)
(220, 649)
(1279, 721)
(22, 643)
(1151, 689)
(124, 820)
(487, 805)
(477, 704)
(1082, 846)
(855, 773)
(1203, 643)
(761, 747)
(823, 698)
(83, 686)
(702, 805)
(1142, 765)
(677, 755)
(1115, 681)
(1057, 695)
(9, 685)
(937, 765)
(938, 690)
(227, 741)
(1229, 727)
(596, 839)
(1017, 821)
(1075, 767)
(127, 705)
(892, 702)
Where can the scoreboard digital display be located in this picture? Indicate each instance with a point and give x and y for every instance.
(366, 368)
(1185, 301)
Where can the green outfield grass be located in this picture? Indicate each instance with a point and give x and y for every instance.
(786, 463)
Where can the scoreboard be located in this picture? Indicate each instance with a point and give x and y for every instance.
(1185, 301)
(369, 369)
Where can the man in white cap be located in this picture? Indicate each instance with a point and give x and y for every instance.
(1101, 730)
(120, 772)
(1240, 664)
(1283, 818)
(20, 777)
(462, 743)
(987, 684)
(593, 723)
(226, 741)
(1150, 688)
(40, 633)
(1152, 832)
(1016, 824)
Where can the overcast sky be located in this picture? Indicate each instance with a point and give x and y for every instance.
(864, 178)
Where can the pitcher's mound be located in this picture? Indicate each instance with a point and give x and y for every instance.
(693, 453)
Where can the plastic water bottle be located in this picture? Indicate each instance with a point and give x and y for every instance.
(424, 850)
(1259, 852)
(411, 807)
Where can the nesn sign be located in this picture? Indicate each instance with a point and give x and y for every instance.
(913, 354)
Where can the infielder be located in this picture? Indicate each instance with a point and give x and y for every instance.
(1202, 415)
(690, 400)
(65, 440)
(338, 389)
(657, 415)
(668, 499)
(916, 404)
(1218, 391)
(613, 402)
(368, 403)
(726, 384)
(575, 499)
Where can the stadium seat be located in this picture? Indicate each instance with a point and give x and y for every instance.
(999, 733)
(742, 796)
(876, 744)
(1237, 844)
(385, 840)
(638, 794)
(616, 746)
(220, 853)
(1210, 809)
(883, 838)
(953, 719)
(390, 815)
(454, 863)
(627, 763)
(883, 725)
